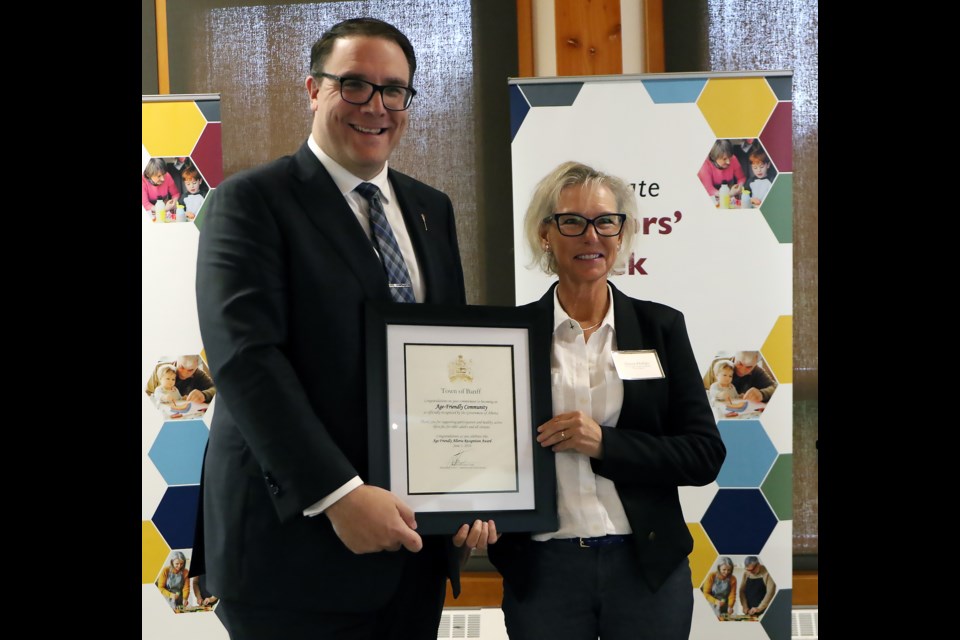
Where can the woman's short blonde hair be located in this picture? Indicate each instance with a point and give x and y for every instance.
(546, 195)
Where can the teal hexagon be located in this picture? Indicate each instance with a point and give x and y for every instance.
(778, 487)
(777, 208)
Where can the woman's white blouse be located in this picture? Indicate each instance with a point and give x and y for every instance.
(584, 378)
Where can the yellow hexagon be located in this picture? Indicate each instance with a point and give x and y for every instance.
(171, 128)
(737, 107)
(778, 349)
(153, 551)
(702, 556)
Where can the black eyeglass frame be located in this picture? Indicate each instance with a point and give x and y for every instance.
(374, 88)
(556, 219)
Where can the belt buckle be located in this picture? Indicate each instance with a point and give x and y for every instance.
(584, 546)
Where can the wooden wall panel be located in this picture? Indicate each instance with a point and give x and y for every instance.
(588, 37)
(525, 38)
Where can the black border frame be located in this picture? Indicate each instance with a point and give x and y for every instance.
(543, 517)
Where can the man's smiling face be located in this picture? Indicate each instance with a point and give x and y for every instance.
(359, 137)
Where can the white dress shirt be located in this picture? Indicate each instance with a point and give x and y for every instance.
(347, 183)
(584, 378)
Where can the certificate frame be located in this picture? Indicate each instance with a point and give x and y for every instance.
(427, 403)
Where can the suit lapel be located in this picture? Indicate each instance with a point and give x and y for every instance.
(326, 208)
(629, 336)
(416, 217)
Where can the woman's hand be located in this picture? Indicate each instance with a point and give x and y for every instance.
(574, 431)
(478, 536)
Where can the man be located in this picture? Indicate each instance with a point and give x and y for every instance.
(296, 545)
(194, 384)
(750, 380)
(757, 588)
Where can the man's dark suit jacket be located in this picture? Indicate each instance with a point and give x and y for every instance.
(283, 271)
(666, 437)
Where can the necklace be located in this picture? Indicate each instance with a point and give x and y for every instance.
(585, 329)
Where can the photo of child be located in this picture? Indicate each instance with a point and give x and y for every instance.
(760, 175)
(194, 190)
(166, 392)
(722, 391)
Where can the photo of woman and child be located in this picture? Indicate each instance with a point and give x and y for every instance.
(172, 191)
(737, 174)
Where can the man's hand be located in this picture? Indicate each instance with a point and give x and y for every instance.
(753, 394)
(478, 536)
(371, 519)
(195, 396)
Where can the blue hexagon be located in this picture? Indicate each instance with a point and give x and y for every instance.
(749, 453)
(178, 451)
(176, 516)
(739, 521)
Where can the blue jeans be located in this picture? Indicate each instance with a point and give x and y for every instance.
(583, 594)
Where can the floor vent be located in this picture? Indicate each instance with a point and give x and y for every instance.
(459, 625)
(805, 624)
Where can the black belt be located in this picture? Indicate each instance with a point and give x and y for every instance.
(600, 541)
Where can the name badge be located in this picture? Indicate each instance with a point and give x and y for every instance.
(638, 365)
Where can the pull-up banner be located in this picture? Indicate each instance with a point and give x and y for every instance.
(181, 162)
(709, 159)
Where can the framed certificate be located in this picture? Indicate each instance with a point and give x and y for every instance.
(455, 396)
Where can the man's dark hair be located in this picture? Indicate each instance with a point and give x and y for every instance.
(363, 27)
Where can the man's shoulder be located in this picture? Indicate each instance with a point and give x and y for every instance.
(405, 182)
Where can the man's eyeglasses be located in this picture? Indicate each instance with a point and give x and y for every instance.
(356, 91)
(574, 224)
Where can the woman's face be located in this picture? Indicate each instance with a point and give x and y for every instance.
(589, 257)
(722, 162)
(177, 564)
(724, 570)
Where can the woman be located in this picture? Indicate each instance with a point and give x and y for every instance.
(174, 581)
(617, 566)
(720, 588)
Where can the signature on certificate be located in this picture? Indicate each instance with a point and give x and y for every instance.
(458, 460)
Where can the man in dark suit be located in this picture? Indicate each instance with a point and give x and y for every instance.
(295, 545)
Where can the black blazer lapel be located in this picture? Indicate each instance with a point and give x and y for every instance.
(325, 207)
(415, 216)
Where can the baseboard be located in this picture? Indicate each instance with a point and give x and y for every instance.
(485, 589)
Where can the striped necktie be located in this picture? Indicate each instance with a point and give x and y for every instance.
(397, 275)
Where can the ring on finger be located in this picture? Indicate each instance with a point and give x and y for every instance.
(563, 435)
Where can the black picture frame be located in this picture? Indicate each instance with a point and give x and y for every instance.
(446, 514)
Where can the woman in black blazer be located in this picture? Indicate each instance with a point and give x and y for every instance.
(624, 439)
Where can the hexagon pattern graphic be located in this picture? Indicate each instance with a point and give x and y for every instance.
(178, 451)
(777, 137)
(153, 551)
(176, 516)
(750, 454)
(777, 209)
(170, 128)
(736, 107)
(185, 129)
(703, 554)
(739, 521)
(778, 349)
(778, 487)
